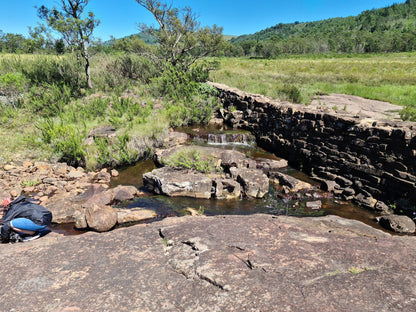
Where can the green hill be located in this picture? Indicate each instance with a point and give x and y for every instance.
(389, 29)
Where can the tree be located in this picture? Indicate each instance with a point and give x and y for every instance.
(75, 28)
(1, 40)
(59, 46)
(14, 43)
(181, 40)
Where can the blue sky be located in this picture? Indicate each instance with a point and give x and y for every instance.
(237, 17)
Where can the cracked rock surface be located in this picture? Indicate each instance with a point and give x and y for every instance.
(226, 263)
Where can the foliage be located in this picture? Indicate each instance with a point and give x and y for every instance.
(192, 159)
(133, 44)
(180, 39)
(292, 93)
(75, 28)
(389, 29)
(8, 113)
(27, 183)
(12, 83)
(67, 141)
(201, 210)
(59, 46)
(49, 100)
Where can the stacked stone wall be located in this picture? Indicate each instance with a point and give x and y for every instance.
(366, 158)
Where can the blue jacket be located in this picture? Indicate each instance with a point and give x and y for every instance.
(22, 207)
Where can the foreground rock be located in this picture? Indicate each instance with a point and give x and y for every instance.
(232, 263)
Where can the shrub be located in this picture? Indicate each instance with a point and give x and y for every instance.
(8, 113)
(197, 111)
(121, 151)
(66, 141)
(12, 83)
(175, 84)
(49, 100)
(69, 144)
(120, 71)
(47, 69)
(292, 93)
(103, 152)
(93, 108)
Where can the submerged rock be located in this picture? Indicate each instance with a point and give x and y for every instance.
(314, 205)
(398, 224)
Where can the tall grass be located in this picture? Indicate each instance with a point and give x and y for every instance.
(386, 77)
(55, 115)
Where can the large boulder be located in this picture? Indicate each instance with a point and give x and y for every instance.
(173, 182)
(254, 182)
(181, 182)
(62, 208)
(398, 224)
(100, 218)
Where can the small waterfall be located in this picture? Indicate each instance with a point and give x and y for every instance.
(245, 139)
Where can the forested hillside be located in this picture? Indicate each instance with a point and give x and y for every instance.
(390, 29)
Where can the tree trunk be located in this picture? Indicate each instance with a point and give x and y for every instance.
(87, 65)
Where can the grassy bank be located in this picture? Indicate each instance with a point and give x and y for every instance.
(45, 113)
(385, 77)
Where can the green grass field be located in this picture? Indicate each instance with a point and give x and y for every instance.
(385, 77)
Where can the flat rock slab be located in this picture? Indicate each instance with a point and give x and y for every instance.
(357, 105)
(226, 263)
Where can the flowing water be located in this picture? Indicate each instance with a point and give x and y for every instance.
(274, 203)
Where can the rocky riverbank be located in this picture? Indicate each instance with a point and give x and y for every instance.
(72, 194)
(85, 198)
